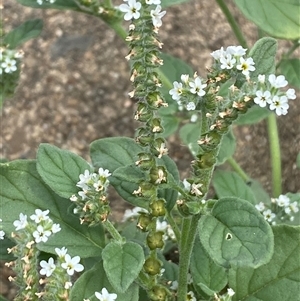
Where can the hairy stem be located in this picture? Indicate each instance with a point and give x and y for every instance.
(238, 169)
(232, 22)
(275, 155)
(188, 234)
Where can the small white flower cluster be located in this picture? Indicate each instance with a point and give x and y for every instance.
(91, 184)
(8, 60)
(268, 92)
(105, 295)
(233, 58)
(284, 209)
(133, 7)
(185, 88)
(227, 296)
(2, 233)
(40, 2)
(41, 227)
(133, 213)
(65, 261)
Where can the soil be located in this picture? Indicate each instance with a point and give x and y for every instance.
(75, 81)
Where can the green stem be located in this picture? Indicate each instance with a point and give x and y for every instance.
(117, 27)
(113, 231)
(238, 169)
(188, 234)
(233, 24)
(275, 155)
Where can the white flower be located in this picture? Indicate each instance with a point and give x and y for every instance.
(47, 267)
(294, 207)
(84, 179)
(22, 223)
(261, 78)
(230, 292)
(282, 201)
(280, 105)
(82, 194)
(161, 226)
(41, 235)
(277, 82)
(39, 216)
(191, 296)
(68, 285)
(246, 66)
(156, 15)
(156, 2)
(269, 215)
(227, 61)
(260, 207)
(2, 234)
(131, 9)
(194, 118)
(9, 65)
(129, 213)
(176, 91)
(184, 78)
(105, 295)
(262, 98)
(55, 228)
(73, 198)
(191, 106)
(236, 50)
(189, 279)
(195, 189)
(174, 285)
(217, 54)
(61, 252)
(104, 172)
(290, 94)
(72, 264)
(197, 87)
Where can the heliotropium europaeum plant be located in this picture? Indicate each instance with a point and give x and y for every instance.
(177, 242)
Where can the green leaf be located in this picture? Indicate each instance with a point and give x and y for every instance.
(254, 115)
(189, 134)
(263, 53)
(205, 271)
(60, 169)
(28, 30)
(58, 4)
(95, 280)
(2, 298)
(236, 234)
(259, 193)
(4, 245)
(290, 69)
(118, 154)
(279, 18)
(122, 263)
(115, 152)
(166, 3)
(170, 124)
(227, 147)
(228, 183)
(279, 279)
(23, 191)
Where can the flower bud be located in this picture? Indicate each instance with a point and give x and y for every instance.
(155, 125)
(143, 113)
(144, 137)
(155, 240)
(143, 222)
(152, 266)
(159, 293)
(206, 160)
(146, 161)
(158, 175)
(157, 208)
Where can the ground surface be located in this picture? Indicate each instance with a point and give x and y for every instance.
(75, 82)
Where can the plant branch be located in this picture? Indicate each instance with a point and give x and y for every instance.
(188, 234)
(232, 22)
(236, 167)
(275, 155)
